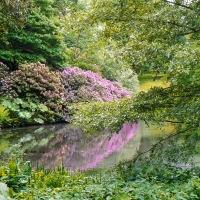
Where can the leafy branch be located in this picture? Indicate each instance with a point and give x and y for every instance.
(179, 4)
(159, 142)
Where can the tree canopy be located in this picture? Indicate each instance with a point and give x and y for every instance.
(12, 14)
(154, 36)
(41, 38)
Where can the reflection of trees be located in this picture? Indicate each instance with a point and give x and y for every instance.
(57, 144)
(29, 139)
(77, 152)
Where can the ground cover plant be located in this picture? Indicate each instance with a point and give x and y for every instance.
(146, 183)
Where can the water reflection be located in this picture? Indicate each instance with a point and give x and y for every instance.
(59, 144)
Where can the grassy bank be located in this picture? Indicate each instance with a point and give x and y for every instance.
(151, 80)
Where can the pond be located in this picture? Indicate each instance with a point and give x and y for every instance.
(53, 145)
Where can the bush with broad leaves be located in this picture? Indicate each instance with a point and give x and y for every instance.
(36, 83)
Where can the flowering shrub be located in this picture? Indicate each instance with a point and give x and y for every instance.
(4, 87)
(86, 86)
(36, 83)
(3, 70)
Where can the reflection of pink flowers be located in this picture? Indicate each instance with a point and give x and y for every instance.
(116, 142)
(77, 152)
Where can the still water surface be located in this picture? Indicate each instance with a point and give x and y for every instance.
(53, 145)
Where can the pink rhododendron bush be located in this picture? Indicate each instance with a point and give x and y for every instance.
(34, 93)
(4, 72)
(35, 83)
(87, 86)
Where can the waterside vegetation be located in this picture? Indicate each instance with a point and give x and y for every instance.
(81, 62)
(138, 182)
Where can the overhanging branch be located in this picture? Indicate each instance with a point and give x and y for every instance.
(155, 145)
(178, 4)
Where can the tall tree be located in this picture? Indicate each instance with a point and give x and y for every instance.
(158, 36)
(12, 14)
(40, 39)
(147, 32)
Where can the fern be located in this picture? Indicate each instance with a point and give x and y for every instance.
(4, 116)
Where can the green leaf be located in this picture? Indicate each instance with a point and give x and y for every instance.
(39, 120)
(11, 105)
(42, 108)
(18, 101)
(25, 114)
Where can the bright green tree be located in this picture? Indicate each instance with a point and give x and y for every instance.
(146, 32)
(154, 36)
(92, 51)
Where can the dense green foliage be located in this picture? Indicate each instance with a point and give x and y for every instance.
(12, 15)
(40, 39)
(160, 37)
(148, 183)
(4, 116)
(22, 112)
(150, 36)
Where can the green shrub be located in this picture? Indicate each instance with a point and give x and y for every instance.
(86, 65)
(35, 83)
(96, 116)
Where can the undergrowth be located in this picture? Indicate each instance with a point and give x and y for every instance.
(144, 183)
